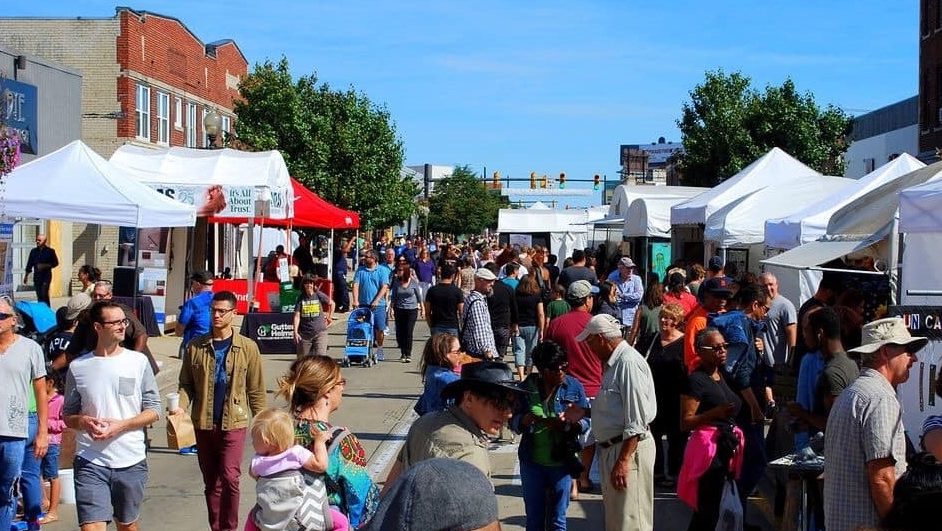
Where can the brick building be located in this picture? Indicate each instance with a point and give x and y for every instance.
(147, 79)
(930, 78)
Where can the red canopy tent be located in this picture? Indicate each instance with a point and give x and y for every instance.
(310, 211)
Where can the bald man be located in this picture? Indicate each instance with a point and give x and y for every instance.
(42, 259)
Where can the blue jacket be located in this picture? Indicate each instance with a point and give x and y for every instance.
(436, 378)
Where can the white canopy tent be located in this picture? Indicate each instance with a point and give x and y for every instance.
(650, 217)
(567, 229)
(76, 184)
(810, 223)
(249, 180)
(742, 222)
(773, 168)
(864, 226)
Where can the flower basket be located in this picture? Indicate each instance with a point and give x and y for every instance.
(9, 151)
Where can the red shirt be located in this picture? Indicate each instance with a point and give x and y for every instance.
(584, 365)
(687, 301)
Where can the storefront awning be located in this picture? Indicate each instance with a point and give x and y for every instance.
(811, 256)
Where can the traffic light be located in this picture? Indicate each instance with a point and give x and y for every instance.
(495, 182)
(596, 182)
(532, 180)
(562, 180)
(544, 183)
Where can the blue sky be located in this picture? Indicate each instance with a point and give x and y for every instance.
(556, 85)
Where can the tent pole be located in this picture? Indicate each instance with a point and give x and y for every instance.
(893, 267)
(330, 256)
(250, 288)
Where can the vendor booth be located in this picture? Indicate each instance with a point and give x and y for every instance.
(560, 231)
(221, 183)
(76, 184)
(688, 219)
(920, 227)
(859, 235)
(647, 228)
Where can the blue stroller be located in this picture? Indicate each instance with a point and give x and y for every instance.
(358, 349)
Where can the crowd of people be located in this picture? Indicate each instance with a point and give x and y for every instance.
(691, 383)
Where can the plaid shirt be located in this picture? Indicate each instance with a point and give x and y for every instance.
(477, 334)
(865, 424)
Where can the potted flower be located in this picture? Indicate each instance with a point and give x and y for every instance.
(9, 150)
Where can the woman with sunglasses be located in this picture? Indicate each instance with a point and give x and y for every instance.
(714, 449)
(549, 448)
(314, 388)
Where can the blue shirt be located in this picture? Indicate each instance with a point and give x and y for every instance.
(194, 316)
(221, 379)
(511, 282)
(812, 365)
(436, 378)
(369, 282)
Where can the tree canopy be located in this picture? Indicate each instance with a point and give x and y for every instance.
(727, 124)
(462, 204)
(337, 143)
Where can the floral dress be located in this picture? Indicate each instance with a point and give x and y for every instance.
(349, 485)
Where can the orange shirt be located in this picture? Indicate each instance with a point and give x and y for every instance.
(696, 321)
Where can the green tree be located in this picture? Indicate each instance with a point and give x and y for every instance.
(727, 124)
(337, 143)
(462, 204)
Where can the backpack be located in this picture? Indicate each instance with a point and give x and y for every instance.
(733, 325)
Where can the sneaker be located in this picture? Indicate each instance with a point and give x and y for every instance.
(189, 450)
(379, 354)
(406, 359)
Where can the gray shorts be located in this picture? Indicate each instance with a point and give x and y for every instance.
(104, 494)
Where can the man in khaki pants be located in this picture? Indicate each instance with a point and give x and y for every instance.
(621, 413)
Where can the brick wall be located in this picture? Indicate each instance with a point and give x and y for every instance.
(930, 76)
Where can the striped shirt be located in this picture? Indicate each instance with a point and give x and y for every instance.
(865, 424)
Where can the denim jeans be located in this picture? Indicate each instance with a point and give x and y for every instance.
(30, 484)
(545, 495)
(524, 343)
(11, 463)
(754, 460)
(220, 459)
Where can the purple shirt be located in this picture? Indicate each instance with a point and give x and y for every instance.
(293, 458)
(424, 271)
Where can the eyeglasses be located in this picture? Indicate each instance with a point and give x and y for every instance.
(99, 296)
(221, 311)
(117, 322)
(561, 367)
(715, 348)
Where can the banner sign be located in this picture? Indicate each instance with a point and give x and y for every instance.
(223, 201)
(273, 332)
(917, 394)
(18, 104)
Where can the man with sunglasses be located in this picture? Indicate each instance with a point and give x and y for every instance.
(484, 398)
(42, 259)
(194, 319)
(222, 378)
(23, 401)
(111, 397)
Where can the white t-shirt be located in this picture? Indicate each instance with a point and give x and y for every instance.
(117, 387)
(781, 314)
(19, 366)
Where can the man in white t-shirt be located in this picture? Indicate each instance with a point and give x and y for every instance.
(111, 396)
(21, 371)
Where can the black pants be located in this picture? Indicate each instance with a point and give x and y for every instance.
(676, 443)
(341, 294)
(405, 326)
(709, 494)
(501, 339)
(42, 290)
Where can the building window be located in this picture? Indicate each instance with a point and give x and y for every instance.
(226, 125)
(206, 142)
(163, 118)
(191, 125)
(143, 112)
(178, 113)
(869, 165)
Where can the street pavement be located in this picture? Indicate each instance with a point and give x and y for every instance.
(377, 406)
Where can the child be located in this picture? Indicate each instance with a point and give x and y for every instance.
(50, 463)
(284, 500)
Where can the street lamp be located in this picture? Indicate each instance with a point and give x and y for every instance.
(211, 124)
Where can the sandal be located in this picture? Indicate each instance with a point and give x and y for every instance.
(49, 518)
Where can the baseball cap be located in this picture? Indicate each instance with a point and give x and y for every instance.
(889, 331)
(484, 274)
(720, 286)
(600, 324)
(581, 289)
(715, 263)
(76, 304)
(437, 493)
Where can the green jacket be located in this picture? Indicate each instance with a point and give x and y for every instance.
(243, 371)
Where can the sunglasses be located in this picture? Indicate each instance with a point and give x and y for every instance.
(716, 348)
(500, 402)
(5, 316)
(563, 367)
